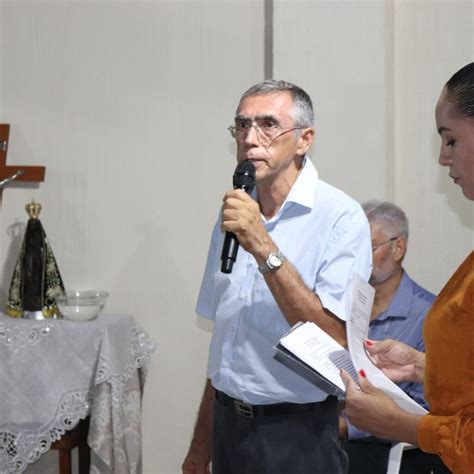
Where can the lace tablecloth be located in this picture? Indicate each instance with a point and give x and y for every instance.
(53, 373)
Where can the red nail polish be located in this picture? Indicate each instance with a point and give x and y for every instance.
(369, 343)
(362, 373)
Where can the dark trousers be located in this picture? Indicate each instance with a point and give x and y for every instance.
(295, 443)
(365, 457)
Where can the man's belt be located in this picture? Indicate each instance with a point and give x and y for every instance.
(275, 409)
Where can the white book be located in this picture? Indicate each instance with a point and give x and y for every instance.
(310, 351)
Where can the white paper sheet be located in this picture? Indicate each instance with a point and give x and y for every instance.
(320, 351)
(360, 300)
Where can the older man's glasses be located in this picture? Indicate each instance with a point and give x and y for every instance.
(267, 130)
(376, 246)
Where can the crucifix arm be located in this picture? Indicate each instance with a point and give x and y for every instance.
(10, 173)
(11, 178)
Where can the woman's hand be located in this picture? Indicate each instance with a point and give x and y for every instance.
(369, 409)
(399, 362)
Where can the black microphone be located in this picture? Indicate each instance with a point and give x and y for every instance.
(244, 178)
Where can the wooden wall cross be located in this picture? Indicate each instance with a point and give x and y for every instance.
(30, 173)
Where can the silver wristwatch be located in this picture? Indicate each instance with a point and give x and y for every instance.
(273, 262)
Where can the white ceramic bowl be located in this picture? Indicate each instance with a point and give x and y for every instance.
(81, 305)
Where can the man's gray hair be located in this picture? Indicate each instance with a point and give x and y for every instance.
(390, 216)
(303, 115)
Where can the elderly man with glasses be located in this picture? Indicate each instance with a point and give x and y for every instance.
(301, 240)
(399, 309)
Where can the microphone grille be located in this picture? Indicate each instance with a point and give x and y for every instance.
(244, 176)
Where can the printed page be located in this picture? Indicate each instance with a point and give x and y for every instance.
(359, 300)
(320, 351)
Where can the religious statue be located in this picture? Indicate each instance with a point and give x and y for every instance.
(36, 280)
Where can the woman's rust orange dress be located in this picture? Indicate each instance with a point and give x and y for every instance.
(448, 429)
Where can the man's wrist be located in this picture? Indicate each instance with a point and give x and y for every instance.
(343, 428)
(273, 262)
(263, 250)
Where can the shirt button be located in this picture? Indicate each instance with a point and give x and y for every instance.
(225, 365)
(243, 295)
(231, 329)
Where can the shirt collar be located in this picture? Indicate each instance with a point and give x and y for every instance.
(302, 192)
(399, 306)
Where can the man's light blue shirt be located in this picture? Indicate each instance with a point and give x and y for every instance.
(403, 321)
(325, 234)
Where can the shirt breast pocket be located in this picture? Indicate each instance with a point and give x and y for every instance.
(264, 315)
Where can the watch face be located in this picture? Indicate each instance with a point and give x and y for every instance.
(274, 260)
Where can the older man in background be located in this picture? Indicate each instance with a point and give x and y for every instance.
(399, 309)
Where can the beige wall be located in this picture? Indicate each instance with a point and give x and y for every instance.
(127, 104)
(375, 70)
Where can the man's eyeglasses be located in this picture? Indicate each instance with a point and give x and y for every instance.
(267, 130)
(376, 246)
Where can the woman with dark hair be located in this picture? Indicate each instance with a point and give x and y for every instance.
(447, 366)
